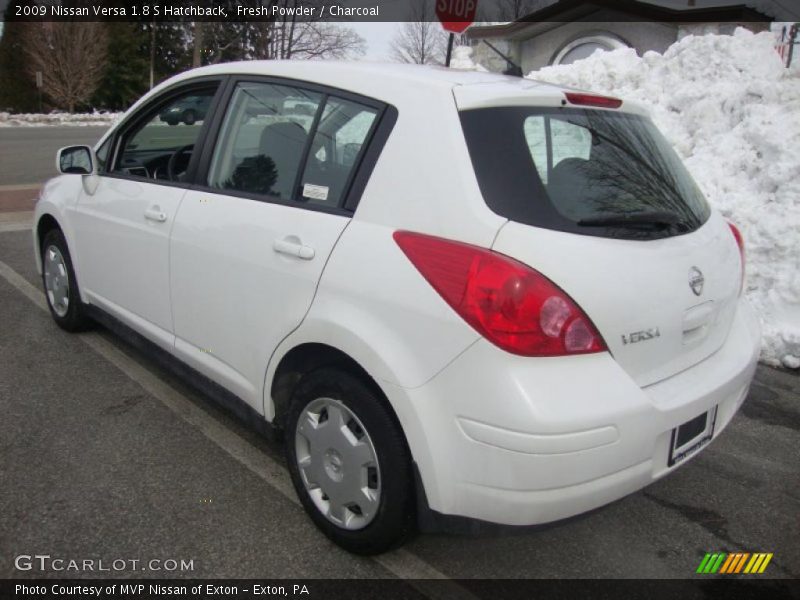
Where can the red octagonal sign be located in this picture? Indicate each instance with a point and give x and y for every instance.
(456, 15)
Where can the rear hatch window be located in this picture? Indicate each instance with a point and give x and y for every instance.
(591, 172)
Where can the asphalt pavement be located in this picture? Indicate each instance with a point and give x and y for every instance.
(28, 154)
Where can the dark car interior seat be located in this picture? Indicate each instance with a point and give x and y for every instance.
(284, 144)
(567, 187)
(274, 168)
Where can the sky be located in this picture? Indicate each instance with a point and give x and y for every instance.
(378, 37)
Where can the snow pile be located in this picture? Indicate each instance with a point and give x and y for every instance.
(462, 59)
(95, 119)
(733, 113)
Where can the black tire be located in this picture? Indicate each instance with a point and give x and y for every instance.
(394, 520)
(189, 117)
(75, 318)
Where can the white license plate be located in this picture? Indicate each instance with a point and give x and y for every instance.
(689, 437)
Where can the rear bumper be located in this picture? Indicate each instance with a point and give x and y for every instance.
(519, 441)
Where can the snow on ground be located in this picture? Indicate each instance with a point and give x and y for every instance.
(732, 111)
(97, 119)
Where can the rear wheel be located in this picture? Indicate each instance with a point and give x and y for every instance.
(60, 285)
(189, 117)
(349, 462)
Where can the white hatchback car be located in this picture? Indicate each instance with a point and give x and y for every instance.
(462, 297)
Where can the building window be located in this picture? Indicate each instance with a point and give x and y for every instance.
(585, 46)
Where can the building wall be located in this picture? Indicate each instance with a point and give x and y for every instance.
(486, 57)
(540, 51)
(533, 53)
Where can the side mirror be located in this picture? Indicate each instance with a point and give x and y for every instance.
(79, 160)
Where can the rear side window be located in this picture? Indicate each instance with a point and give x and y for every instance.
(290, 143)
(584, 171)
(335, 149)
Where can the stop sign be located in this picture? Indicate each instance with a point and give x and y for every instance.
(456, 15)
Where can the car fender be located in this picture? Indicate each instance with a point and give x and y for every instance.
(58, 197)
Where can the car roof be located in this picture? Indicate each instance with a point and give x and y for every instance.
(351, 71)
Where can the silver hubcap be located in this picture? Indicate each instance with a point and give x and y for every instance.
(337, 463)
(56, 280)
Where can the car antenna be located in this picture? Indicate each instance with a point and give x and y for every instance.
(513, 68)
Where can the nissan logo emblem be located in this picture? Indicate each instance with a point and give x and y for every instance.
(696, 280)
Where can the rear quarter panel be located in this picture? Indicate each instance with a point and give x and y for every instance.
(373, 305)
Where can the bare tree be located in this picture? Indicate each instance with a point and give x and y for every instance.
(274, 40)
(313, 39)
(422, 40)
(71, 57)
(214, 42)
(287, 37)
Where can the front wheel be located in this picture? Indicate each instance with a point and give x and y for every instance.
(349, 462)
(60, 285)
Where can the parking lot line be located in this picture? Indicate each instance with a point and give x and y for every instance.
(16, 221)
(23, 226)
(402, 563)
(20, 187)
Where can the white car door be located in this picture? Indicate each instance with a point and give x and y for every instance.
(122, 229)
(252, 237)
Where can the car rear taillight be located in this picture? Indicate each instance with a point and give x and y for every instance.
(593, 100)
(739, 242)
(507, 302)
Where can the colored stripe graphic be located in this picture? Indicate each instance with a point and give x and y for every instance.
(736, 558)
(764, 564)
(718, 563)
(753, 564)
(735, 562)
(703, 563)
(710, 563)
(727, 564)
(742, 562)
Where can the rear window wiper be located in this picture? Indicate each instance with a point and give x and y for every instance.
(653, 218)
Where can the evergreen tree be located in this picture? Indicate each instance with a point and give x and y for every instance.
(126, 76)
(173, 53)
(17, 89)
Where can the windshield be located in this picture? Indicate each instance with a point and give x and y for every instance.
(585, 171)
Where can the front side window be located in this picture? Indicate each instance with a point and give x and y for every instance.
(262, 140)
(593, 172)
(102, 155)
(161, 147)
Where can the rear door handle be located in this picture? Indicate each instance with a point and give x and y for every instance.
(154, 213)
(292, 246)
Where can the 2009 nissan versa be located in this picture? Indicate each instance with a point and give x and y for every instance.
(460, 296)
